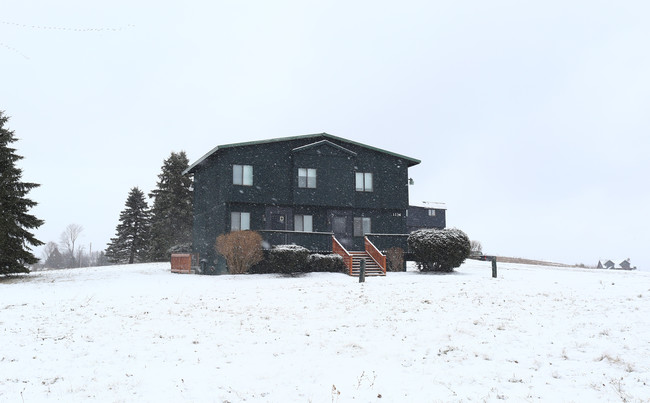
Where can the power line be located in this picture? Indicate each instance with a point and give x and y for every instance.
(53, 28)
(14, 50)
(70, 29)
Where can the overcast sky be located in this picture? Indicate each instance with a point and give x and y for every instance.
(531, 119)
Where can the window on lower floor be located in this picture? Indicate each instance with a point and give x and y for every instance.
(303, 223)
(306, 178)
(362, 226)
(363, 181)
(240, 221)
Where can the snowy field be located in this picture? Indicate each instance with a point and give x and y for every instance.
(141, 333)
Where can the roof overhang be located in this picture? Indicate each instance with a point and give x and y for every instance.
(325, 136)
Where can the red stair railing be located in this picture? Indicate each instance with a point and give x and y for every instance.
(340, 250)
(375, 254)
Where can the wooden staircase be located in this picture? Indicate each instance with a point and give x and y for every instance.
(372, 268)
(375, 260)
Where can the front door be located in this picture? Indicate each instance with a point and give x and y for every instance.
(340, 230)
(339, 224)
(278, 221)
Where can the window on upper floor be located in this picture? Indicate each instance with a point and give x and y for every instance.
(432, 213)
(363, 181)
(362, 226)
(240, 221)
(306, 178)
(242, 175)
(303, 223)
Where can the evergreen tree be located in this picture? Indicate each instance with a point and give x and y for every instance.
(171, 221)
(130, 244)
(15, 223)
(55, 260)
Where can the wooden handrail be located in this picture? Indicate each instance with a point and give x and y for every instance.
(340, 250)
(375, 254)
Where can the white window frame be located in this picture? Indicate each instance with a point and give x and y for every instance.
(303, 223)
(307, 178)
(240, 221)
(432, 213)
(363, 182)
(242, 175)
(362, 226)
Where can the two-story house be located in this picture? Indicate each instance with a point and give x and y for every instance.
(306, 190)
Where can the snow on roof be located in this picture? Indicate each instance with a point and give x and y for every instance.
(430, 205)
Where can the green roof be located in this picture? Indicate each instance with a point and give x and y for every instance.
(411, 161)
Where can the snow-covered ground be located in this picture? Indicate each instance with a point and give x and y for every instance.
(141, 333)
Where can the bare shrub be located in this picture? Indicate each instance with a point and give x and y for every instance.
(475, 248)
(395, 259)
(241, 249)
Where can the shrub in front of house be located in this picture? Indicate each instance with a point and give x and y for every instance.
(395, 259)
(263, 266)
(439, 250)
(289, 259)
(241, 249)
(327, 264)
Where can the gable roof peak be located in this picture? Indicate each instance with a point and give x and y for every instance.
(324, 143)
(325, 136)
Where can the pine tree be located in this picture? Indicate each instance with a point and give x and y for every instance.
(171, 221)
(131, 242)
(15, 222)
(55, 260)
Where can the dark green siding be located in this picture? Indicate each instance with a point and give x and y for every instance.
(334, 185)
(419, 217)
(275, 187)
(390, 177)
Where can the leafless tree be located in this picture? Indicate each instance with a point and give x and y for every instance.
(395, 259)
(69, 239)
(82, 258)
(476, 248)
(47, 251)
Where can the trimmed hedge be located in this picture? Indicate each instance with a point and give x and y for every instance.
(332, 263)
(327, 264)
(439, 250)
(288, 259)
